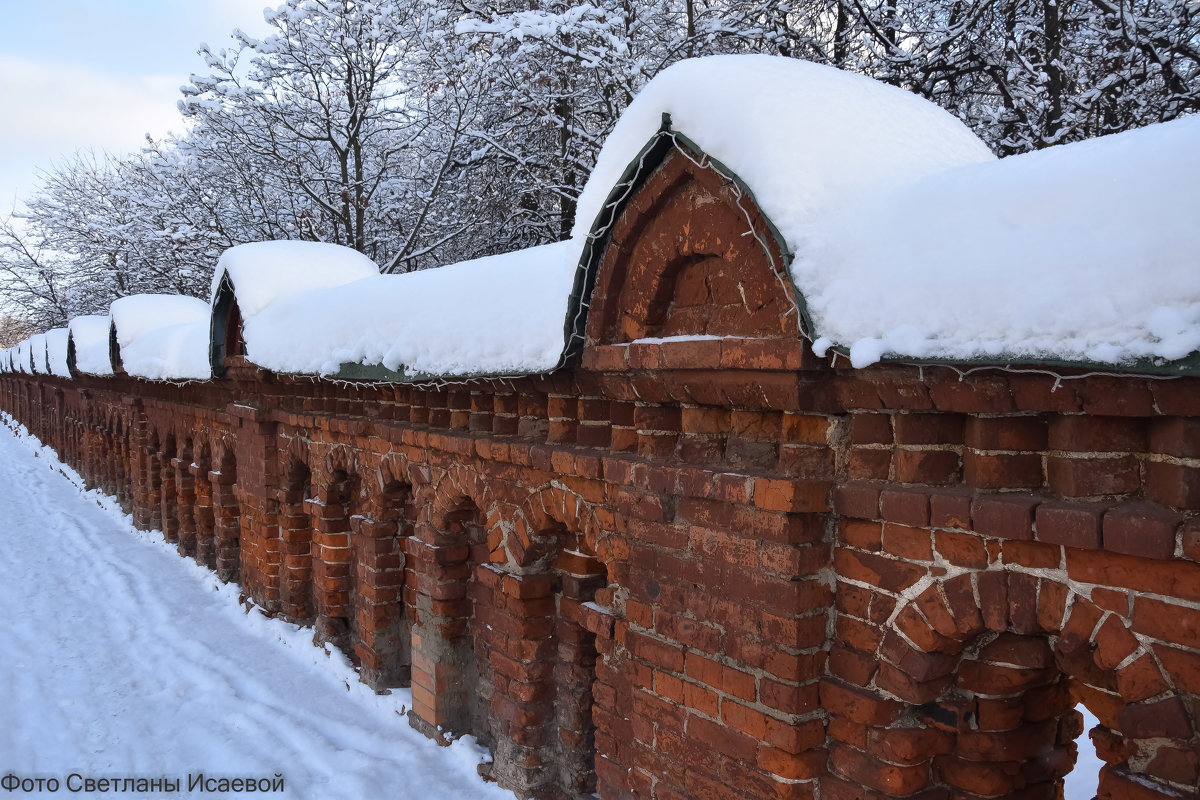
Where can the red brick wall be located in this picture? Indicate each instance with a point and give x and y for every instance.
(707, 568)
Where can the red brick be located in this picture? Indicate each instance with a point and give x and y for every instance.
(892, 779)
(950, 509)
(1141, 530)
(1167, 622)
(1117, 784)
(1175, 485)
(720, 677)
(1004, 516)
(1165, 718)
(1140, 680)
(858, 499)
(1097, 434)
(1176, 764)
(1018, 651)
(961, 549)
(1069, 524)
(928, 428)
(1092, 477)
(908, 542)
(1006, 433)
(859, 705)
(934, 467)
(1182, 665)
(871, 428)
(907, 506)
(1003, 470)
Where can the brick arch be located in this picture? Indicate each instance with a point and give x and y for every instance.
(393, 470)
(679, 261)
(533, 543)
(340, 458)
(463, 484)
(1034, 641)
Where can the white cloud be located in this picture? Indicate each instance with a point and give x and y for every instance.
(54, 108)
(75, 75)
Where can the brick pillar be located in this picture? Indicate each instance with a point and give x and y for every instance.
(332, 560)
(143, 468)
(206, 546)
(185, 504)
(227, 525)
(257, 491)
(168, 497)
(446, 681)
(381, 637)
(295, 531)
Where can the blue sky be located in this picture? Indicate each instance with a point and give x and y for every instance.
(99, 74)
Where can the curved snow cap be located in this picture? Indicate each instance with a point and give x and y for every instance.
(90, 335)
(1082, 252)
(56, 352)
(21, 356)
(497, 315)
(802, 136)
(37, 350)
(162, 336)
(264, 271)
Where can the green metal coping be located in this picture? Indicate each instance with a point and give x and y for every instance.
(646, 161)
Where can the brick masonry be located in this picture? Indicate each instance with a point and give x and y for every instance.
(706, 568)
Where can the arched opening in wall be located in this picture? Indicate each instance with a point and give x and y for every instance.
(1082, 782)
(227, 519)
(474, 622)
(1013, 714)
(381, 631)
(334, 561)
(120, 457)
(206, 544)
(167, 495)
(572, 736)
(106, 464)
(1002, 679)
(295, 529)
(150, 492)
(185, 492)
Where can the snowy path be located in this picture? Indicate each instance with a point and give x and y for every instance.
(121, 659)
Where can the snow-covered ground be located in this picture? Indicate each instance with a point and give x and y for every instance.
(123, 660)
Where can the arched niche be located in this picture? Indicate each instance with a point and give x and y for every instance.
(226, 339)
(681, 250)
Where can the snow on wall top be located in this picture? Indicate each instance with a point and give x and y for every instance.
(498, 315)
(162, 337)
(1087, 251)
(802, 136)
(90, 335)
(37, 351)
(56, 352)
(911, 240)
(21, 356)
(264, 271)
